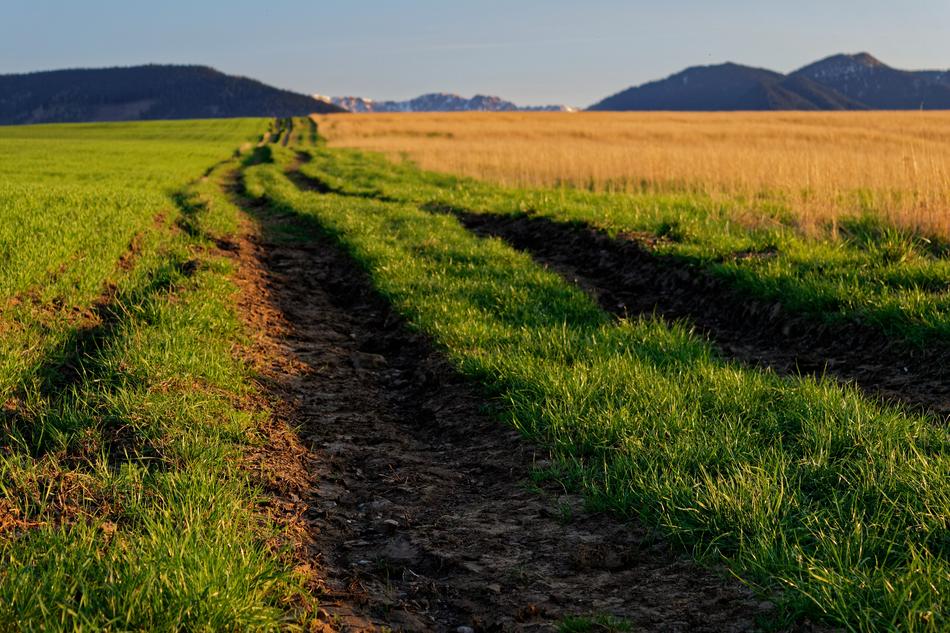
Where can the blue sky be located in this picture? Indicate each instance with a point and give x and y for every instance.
(530, 51)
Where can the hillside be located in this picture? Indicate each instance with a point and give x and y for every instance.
(800, 93)
(866, 79)
(939, 76)
(727, 87)
(144, 92)
(437, 102)
(839, 82)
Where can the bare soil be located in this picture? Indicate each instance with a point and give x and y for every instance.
(412, 507)
(627, 279)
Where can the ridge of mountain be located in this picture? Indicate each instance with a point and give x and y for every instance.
(865, 79)
(151, 91)
(839, 82)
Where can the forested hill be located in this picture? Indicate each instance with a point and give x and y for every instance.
(144, 92)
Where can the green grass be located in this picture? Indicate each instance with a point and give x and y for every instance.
(895, 281)
(598, 624)
(123, 501)
(837, 507)
(73, 200)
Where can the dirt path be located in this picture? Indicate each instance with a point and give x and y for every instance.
(414, 506)
(627, 279)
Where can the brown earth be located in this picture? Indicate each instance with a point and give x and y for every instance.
(411, 506)
(627, 279)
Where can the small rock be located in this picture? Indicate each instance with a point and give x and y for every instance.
(464, 629)
(377, 505)
(472, 567)
(364, 361)
(400, 550)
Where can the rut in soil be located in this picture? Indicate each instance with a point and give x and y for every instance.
(420, 513)
(629, 280)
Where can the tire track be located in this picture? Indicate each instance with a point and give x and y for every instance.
(423, 517)
(628, 280)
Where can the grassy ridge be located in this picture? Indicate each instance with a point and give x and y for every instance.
(123, 503)
(881, 276)
(798, 486)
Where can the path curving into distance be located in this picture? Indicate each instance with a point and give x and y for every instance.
(414, 506)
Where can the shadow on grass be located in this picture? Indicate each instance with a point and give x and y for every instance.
(70, 391)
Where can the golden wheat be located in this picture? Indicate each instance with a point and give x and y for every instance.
(818, 165)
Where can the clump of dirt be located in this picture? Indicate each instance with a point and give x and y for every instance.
(412, 507)
(627, 279)
(128, 258)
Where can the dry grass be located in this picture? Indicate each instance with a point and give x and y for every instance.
(818, 166)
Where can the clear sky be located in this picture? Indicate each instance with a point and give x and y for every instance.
(530, 51)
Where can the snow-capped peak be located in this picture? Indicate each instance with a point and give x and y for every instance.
(437, 102)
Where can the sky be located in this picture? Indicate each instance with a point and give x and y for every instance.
(533, 52)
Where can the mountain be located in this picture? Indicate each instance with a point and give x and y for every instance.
(839, 82)
(437, 102)
(863, 78)
(728, 87)
(801, 93)
(939, 76)
(144, 92)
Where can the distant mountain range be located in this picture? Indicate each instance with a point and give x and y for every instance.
(144, 92)
(839, 82)
(437, 102)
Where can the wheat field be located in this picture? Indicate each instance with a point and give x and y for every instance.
(816, 167)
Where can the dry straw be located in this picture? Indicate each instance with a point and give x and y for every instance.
(816, 166)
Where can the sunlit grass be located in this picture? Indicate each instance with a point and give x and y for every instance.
(819, 167)
(836, 507)
(872, 273)
(123, 502)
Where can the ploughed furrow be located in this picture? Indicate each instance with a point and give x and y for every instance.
(422, 516)
(628, 280)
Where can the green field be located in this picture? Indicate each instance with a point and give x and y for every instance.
(886, 277)
(124, 503)
(797, 484)
(121, 503)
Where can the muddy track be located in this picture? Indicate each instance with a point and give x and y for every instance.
(413, 505)
(287, 130)
(628, 280)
